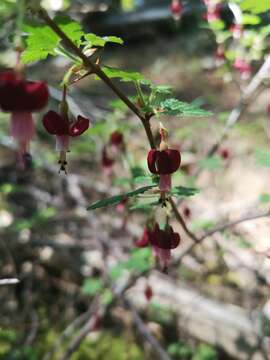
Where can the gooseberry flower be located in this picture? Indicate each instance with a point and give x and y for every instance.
(163, 241)
(21, 98)
(148, 292)
(116, 138)
(176, 8)
(224, 153)
(59, 125)
(236, 30)
(144, 240)
(164, 163)
(187, 212)
(106, 161)
(243, 67)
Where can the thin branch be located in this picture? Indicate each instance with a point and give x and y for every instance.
(145, 332)
(88, 63)
(181, 221)
(222, 227)
(246, 98)
(9, 281)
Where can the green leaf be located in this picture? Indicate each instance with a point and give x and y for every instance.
(146, 206)
(149, 180)
(106, 297)
(211, 163)
(264, 198)
(263, 158)
(42, 41)
(92, 287)
(183, 191)
(255, 6)
(251, 19)
(140, 260)
(175, 107)
(123, 75)
(205, 352)
(114, 200)
(96, 40)
(117, 271)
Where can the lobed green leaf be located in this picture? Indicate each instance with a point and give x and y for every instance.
(176, 107)
(114, 200)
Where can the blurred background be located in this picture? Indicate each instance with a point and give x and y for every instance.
(85, 290)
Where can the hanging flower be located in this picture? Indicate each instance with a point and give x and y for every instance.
(63, 129)
(164, 163)
(148, 292)
(107, 162)
(117, 138)
(163, 241)
(21, 98)
(176, 8)
(144, 240)
(236, 30)
(243, 67)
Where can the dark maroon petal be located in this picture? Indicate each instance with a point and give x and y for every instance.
(164, 239)
(107, 162)
(116, 138)
(37, 95)
(17, 94)
(175, 240)
(144, 240)
(168, 161)
(151, 161)
(79, 127)
(55, 124)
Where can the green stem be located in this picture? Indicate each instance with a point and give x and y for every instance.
(19, 23)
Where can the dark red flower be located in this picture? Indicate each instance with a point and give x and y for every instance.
(224, 153)
(176, 8)
(116, 138)
(163, 162)
(187, 212)
(20, 95)
(243, 67)
(164, 239)
(148, 293)
(268, 108)
(106, 161)
(144, 240)
(56, 124)
(219, 54)
(236, 30)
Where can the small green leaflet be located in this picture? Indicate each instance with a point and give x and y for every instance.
(255, 6)
(121, 74)
(183, 191)
(42, 41)
(176, 107)
(114, 200)
(141, 260)
(211, 163)
(263, 158)
(264, 198)
(92, 287)
(95, 40)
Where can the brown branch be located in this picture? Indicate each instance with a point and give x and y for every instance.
(145, 332)
(88, 63)
(181, 221)
(95, 68)
(222, 227)
(247, 97)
